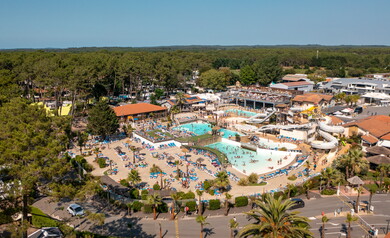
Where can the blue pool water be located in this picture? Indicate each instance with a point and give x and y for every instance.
(203, 128)
(196, 127)
(241, 112)
(228, 133)
(241, 158)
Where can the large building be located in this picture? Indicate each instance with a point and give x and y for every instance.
(309, 100)
(373, 129)
(357, 86)
(305, 86)
(139, 111)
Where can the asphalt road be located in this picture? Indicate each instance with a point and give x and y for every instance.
(117, 224)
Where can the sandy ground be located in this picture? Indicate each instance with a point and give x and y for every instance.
(119, 164)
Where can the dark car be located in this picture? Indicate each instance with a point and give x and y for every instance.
(358, 110)
(298, 203)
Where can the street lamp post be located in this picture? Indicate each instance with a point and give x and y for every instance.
(387, 228)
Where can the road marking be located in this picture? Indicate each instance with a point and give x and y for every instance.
(312, 218)
(341, 233)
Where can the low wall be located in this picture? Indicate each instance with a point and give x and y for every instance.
(156, 145)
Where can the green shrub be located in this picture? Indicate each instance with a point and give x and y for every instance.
(189, 195)
(4, 218)
(328, 192)
(252, 178)
(241, 201)
(283, 149)
(40, 219)
(292, 177)
(137, 206)
(144, 194)
(101, 162)
(124, 182)
(156, 187)
(279, 194)
(134, 193)
(148, 208)
(162, 208)
(214, 204)
(191, 205)
(211, 192)
(243, 182)
(207, 185)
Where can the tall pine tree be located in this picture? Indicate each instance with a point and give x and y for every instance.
(102, 120)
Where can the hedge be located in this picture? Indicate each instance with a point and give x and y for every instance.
(40, 219)
(328, 192)
(214, 204)
(137, 206)
(191, 205)
(4, 218)
(148, 208)
(102, 162)
(241, 201)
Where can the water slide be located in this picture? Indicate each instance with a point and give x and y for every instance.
(324, 131)
(284, 127)
(254, 119)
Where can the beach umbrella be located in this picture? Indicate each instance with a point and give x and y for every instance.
(185, 151)
(170, 158)
(216, 128)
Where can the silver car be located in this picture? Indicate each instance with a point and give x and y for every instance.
(75, 210)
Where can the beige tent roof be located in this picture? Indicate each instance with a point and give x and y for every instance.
(355, 180)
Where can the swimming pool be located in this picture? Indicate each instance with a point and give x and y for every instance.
(248, 161)
(241, 112)
(228, 133)
(198, 128)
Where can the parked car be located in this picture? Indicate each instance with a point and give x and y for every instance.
(298, 203)
(75, 210)
(358, 110)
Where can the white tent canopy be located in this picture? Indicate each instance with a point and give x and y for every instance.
(379, 96)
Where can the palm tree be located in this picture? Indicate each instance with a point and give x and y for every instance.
(96, 151)
(200, 193)
(177, 163)
(325, 219)
(232, 225)
(81, 139)
(340, 97)
(133, 177)
(349, 220)
(227, 197)
(272, 219)
(290, 187)
(154, 200)
(202, 221)
(133, 149)
(355, 98)
(180, 100)
(331, 176)
(156, 169)
(129, 206)
(372, 191)
(383, 170)
(353, 162)
(222, 181)
(175, 197)
(359, 190)
(174, 110)
(306, 188)
(97, 218)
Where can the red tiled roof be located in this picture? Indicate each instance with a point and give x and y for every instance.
(377, 125)
(312, 97)
(370, 139)
(133, 109)
(386, 137)
(336, 120)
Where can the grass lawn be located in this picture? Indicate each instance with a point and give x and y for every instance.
(258, 184)
(194, 138)
(154, 134)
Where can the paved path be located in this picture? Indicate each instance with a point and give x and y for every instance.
(118, 224)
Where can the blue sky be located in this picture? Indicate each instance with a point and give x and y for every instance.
(78, 23)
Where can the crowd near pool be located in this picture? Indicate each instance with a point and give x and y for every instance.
(241, 112)
(200, 128)
(248, 161)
